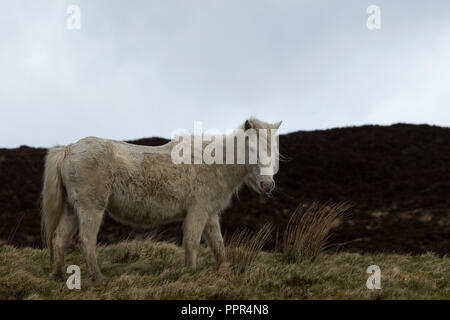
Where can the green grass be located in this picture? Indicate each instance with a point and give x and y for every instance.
(154, 270)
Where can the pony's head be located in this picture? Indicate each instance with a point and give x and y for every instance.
(263, 154)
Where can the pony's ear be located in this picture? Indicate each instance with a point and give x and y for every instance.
(278, 124)
(249, 125)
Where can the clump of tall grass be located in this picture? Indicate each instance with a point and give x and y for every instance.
(245, 246)
(308, 230)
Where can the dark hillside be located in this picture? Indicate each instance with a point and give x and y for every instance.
(396, 177)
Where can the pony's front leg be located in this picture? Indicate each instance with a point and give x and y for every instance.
(213, 237)
(192, 233)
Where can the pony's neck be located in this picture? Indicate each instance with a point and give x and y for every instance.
(234, 175)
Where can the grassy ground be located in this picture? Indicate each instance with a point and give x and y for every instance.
(154, 270)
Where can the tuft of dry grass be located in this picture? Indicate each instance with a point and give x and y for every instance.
(308, 230)
(244, 247)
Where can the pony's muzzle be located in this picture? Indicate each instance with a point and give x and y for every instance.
(267, 186)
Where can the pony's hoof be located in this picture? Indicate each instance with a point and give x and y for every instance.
(57, 276)
(98, 281)
(190, 266)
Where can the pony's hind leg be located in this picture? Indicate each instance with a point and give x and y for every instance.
(213, 237)
(64, 234)
(90, 221)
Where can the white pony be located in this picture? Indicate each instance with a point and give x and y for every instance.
(141, 185)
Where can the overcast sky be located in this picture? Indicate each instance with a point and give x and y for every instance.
(145, 68)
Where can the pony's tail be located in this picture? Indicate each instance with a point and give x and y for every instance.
(52, 196)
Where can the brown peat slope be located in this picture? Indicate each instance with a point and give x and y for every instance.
(397, 179)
